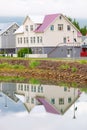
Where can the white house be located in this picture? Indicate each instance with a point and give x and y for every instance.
(56, 36)
(7, 37)
(54, 98)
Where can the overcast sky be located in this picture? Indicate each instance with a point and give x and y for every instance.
(71, 8)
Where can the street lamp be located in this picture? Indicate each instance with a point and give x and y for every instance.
(75, 108)
(73, 45)
(6, 101)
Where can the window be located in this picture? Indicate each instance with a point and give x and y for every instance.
(52, 27)
(60, 27)
(27, 40)
(69, 100)
(27, 99)
(18, 40)
(60, 17)
(31, 27)
(40, 39)
(34, 88)
(21, 40)
(37, 39)
(65, 88)
(27, 87)
(31, 40)
(38, 88)
(53, 101)
(21, 86)
(26, 27)
(61, 101)
(68, 28)
(24, 40)
(42, 89)
(32, 100)
(14, 30)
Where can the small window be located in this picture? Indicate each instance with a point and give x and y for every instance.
(26, 27)
(61, 101)
(27, 40)
(52, 27)
(32, 100)
(69, 100)
(34, 88)
(37, 39)
(68, 27)
(21, 40)
(18, 40)
(53, 101)
(31, 27)
(14, 30)
(21, 86)
(24, 40)
(65, 88)
(27, 87)
(60, 27)
(33, 39)
(40, 39)
(60, 17)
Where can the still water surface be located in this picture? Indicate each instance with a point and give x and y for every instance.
(42, 107)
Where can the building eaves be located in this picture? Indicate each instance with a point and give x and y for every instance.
(5, 26)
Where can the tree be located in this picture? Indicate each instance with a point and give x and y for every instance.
(76, 24)
(84, 30)
(23, 51)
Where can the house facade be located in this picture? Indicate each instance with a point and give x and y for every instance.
(56, 36)
(58, 101)
(7, 37)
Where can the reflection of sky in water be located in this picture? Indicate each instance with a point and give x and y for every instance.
(12, 107)
(17, 118)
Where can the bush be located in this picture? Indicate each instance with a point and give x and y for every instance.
(23, 51)
(74, 69)
(64, 67)
(83, 62)
(34, 64)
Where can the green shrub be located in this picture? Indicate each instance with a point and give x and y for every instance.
(74, 69)
(4, 65)
(64, 67)
(23, 51)
(16, 66)
(83, 61)
(34, 64)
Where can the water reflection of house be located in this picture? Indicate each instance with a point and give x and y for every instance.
(51, 96)
(9, 89)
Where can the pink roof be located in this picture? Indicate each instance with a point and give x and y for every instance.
(79, 34)
(49, 108)
(47, 21)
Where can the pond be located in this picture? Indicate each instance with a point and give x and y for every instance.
(27, 106)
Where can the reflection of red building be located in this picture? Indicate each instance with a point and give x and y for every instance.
(84, 50)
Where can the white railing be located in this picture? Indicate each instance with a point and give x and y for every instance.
(36, 55)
